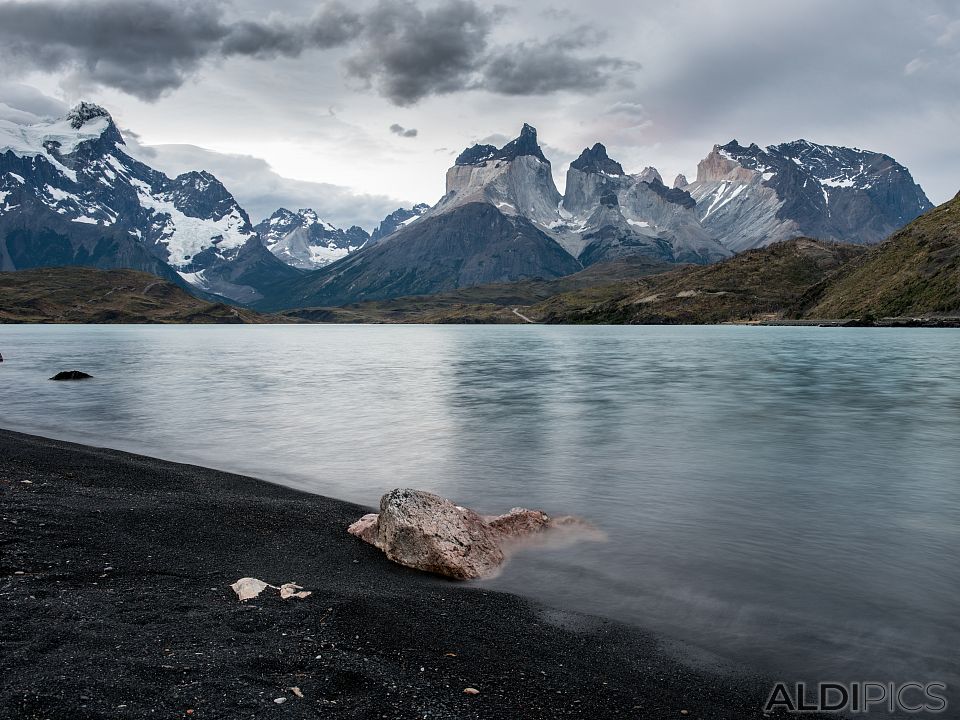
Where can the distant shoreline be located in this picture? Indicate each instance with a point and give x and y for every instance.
(114, 574)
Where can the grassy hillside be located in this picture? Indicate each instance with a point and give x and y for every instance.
(914, 273)
(87, 295)
(756, 285)
(483, 303)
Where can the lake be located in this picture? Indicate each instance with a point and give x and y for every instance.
(783, 497)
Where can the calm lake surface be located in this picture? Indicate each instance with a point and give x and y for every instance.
(784, 497)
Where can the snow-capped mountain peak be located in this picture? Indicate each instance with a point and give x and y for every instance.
(305, 241)
(72, 177)
(53, 140)
(752, 196)
(82, 113)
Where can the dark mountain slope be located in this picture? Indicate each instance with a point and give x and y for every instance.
(916, 272)
(471, 244)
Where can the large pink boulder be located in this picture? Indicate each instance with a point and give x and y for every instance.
(427, 532)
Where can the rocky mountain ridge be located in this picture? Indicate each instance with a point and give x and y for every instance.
(303, 240)
(751, 196)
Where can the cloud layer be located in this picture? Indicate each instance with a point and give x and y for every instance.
(400, 130)
(397, 48)
(260, 190)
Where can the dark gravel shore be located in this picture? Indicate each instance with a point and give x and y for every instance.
(115, 603)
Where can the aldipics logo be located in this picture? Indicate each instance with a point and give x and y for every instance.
(910, 697)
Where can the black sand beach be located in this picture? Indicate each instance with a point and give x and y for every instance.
(115, 603)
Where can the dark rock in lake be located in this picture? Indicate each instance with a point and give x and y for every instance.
(71, 375)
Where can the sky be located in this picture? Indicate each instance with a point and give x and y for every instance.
(358, 108)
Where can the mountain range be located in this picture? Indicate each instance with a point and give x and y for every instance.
(749, 197)
(71, 195)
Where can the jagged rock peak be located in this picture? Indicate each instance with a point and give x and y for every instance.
(524, 144)
(282, 213)
(650, 175)
(199, 178)
(84, 112)
(398, 218)
(680, 181)
(677, 196)
(595, 159)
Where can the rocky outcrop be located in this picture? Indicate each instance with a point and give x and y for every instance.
(427, 532)
(516, 179)
(595, 159)
(680, 181)
(85, 111)
(524, 144)
(72, 375)
(650, 175)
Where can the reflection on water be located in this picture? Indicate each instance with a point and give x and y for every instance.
(784, 496)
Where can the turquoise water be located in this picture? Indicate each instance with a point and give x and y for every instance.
(785, 497)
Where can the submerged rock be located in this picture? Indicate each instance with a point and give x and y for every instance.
(427, 532)
(71, 375)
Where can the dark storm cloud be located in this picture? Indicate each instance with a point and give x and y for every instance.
(402, 51)
(408, 53)
(332, 26)
(139, 46)
(148, 47)
(542, 68)
(555, 63)
(402, 131)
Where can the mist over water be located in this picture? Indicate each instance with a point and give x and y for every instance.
(783, 497)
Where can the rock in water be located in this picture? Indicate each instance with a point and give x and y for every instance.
(519, 522)
(427, 532)
(71, 375)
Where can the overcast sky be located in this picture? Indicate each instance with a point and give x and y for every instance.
(357, 108)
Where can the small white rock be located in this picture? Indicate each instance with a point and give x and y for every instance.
(248, 588)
